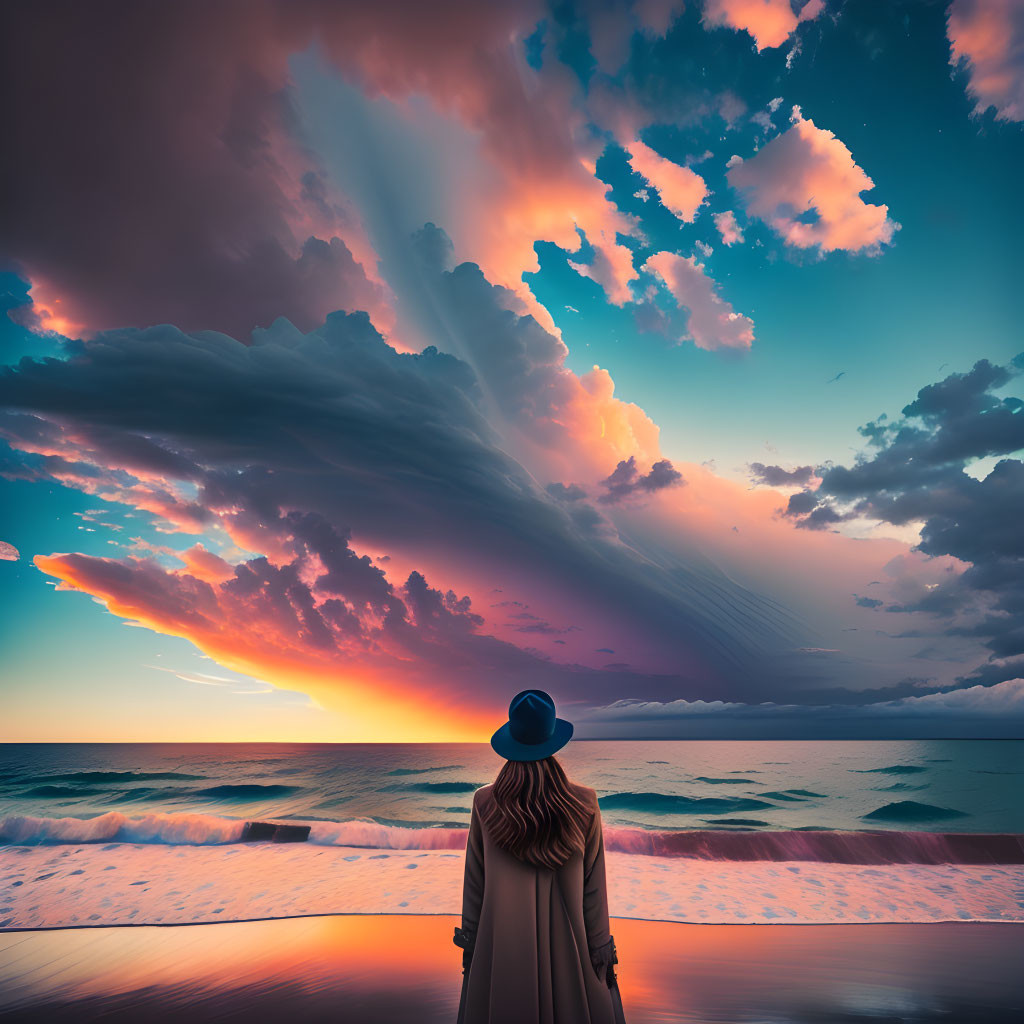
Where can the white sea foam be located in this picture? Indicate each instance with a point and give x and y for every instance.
(170, 829)
(120, 883)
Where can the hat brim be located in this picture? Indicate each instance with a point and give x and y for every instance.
(512, 750)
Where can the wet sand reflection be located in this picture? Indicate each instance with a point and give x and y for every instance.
(402, 969)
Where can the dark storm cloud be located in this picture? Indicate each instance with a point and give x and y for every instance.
(627, 481)
(304, 441)
(520, 366)
(918, 474)
(811, 512)
(801, 503)
(776, 476)
(976, 711)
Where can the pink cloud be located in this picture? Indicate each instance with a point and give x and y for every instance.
(713, 323)
(808, 171)
(611, 267)
(989, 38)
(682, 190)
(205, 565)
(728, 228)
(234, 182)
(770, 22)
(526, 170)
(193, 201)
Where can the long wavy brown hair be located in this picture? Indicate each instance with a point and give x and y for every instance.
(535, 815)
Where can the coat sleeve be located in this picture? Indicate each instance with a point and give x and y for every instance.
(472, 889)
(603, 954)
(595, 891)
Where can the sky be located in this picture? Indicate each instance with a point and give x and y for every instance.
(363, 365)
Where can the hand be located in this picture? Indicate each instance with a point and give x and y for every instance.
(604, 959)
(467, 940)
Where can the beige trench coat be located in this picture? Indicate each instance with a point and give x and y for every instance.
(537, 940)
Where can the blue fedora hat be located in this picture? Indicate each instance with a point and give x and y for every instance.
(532, 732)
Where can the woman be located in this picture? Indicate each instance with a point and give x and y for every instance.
(535, 932)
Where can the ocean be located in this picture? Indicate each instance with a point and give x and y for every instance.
(695, 830)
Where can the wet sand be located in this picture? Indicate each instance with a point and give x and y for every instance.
(398, 969)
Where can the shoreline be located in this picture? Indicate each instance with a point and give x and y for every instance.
(949, 923)
(390, 969)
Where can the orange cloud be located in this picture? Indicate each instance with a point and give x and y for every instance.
(254, 632)
(806, 186)
(526, 169)
(989, 38)
(205, 565)
(770, 22)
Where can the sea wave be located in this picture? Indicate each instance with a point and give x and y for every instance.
(84, 777)
(913, 811)
(823, 846)
(671, 803)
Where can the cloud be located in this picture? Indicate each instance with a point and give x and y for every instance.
(812, 513)
(197, 200)
(987, 37)
(611, 266)
(996, 711)
(185, 197)
(291, 621)
(205, 565)
(682, 190)
(479, 458)
(728, 228)
(769, 22)
(806, 186)
(443, 465)
(517, 139)
(776, 476)
(558, 423)
(627, 481)
(915, 474)
(321, 450)
(713, 323)
(278, 180)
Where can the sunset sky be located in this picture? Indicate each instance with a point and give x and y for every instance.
(366, 364)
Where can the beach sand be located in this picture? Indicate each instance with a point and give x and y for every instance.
(400, 969)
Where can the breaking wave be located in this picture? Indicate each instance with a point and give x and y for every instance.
(860, 847)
